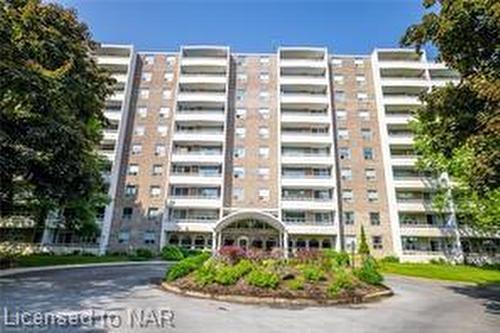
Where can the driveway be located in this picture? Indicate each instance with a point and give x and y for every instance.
(121, 292)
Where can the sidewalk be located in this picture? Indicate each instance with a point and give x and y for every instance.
(21, 270)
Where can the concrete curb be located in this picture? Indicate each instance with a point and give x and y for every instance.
(14, 271)
(270, 300)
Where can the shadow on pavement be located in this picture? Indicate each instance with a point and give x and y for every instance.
(489, 294)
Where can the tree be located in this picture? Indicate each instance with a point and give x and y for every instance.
(52, 95)
(363, 248)
(457, 131)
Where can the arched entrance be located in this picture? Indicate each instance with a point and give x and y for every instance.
(250, 229)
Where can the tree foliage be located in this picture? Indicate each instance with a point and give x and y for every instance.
(51, 98)
(363, 248)
(458, 129)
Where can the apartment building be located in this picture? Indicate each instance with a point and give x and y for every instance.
(294, 149)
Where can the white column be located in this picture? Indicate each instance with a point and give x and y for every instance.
(214, 242)
(285, 243)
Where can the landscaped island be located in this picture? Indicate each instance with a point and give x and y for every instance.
(319, 276)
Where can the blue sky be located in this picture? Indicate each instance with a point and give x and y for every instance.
(349, 27)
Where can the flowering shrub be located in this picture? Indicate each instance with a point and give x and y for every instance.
(232, 254)
(308, 255)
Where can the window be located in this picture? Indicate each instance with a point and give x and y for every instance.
(153, 213)
(366, 134)
(149, 237)
(377, 242)
(239, 172)
(347, 195)
(169, 76)
(372, 195)
(374, 218)
(359, 62)
(123, 237)
(149, 60)
(139, 130)
(160, 149)
(368, 153)
(144, 93)
(264, 77)
(346, 173)
(142, 112)
(130, 190)
(264, 132)
(360, 79)
(155, 191)
(348, 218)
(264, 60)
(164, 112)
(264, 95)
(240, 94)
(341, 114)
(343, 134)
(146, 77)
(241, 77)
(344, 153)
(264, 113)
(157, 170)
(339, 96)
(136, 148)
(239, 152)
(264, 152)
(162, 130)
(263, 194)
(337, 62)
(364, 115)
(370, 174)
(241, 113)
(167, 94)
(263, 173)
(127, 213)
(361, 96)
(338, 79)
(238, 194)
(133, 169)
(240, 132)
(241, 61)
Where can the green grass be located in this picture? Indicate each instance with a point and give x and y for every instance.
(46, 260)
(444, 272)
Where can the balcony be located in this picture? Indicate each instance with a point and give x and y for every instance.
(307, 202)
(402, 160)
(414, 205)
(201, 96)
(414, 182)
(303, 80)
(401, 139)
(426, 230)
(216, 116)
(199, 136)
(204, 61)
(305, 117)
(305, 137)
(198, 156)
(112, 60)
(117, 96)
(303, 98)
(202, 78)
(199, 178)
(398, 119)
(110, 135)
(194, 201)
(297, 180)
(302, 158)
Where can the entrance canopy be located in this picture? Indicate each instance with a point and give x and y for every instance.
(266, 218)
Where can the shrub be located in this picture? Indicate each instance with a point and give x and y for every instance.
(263, 279)
(305, 255)
(390, 259)
(342, 281)
(205, 274)
(171, 252)
(232, 253)
(341, 259)
(439, 261)
(368, 272)
(363, 248)
(190, 252)
(229, 275)
(313, 273)
(186, 266)
(296, 284)
(144, 253)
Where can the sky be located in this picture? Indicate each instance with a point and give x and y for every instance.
(346, 27)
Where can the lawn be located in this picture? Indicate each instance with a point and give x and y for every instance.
(444, 272)
(49, 260)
